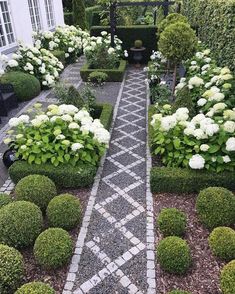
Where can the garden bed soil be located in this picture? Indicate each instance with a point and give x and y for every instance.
(56, 278)
(114, 75)
(203, 276)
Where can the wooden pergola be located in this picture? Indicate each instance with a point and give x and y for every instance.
(114, 5)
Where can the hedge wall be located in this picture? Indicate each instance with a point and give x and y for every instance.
(68, 18)
(128, 34)
(182, 180)
(91, 14)
(215, 23)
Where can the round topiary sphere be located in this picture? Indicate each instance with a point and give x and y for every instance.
(222, 243)
(37, 189)
(227, 278)
(174, 255)
(64, 211)
(171, 19)
(53, 248)
(11, 269)
(178, 292)
(20, 223)
(4, 199)
(26, 86)
(178, 42)
(172, 222)
(35, 288)
(216, 207)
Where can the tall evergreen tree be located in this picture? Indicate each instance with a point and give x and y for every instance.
(79, 15)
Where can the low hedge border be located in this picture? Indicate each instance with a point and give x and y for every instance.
(106, 114)
(179, 180)
(65, 175)
(114, 75)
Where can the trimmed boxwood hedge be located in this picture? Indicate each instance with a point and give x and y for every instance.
(215, 23)
(114, 75)
(26, 86)
(104, 111)
(128, 35)
(68, 18)
(90, 11)
(65, 176)
(179, 180)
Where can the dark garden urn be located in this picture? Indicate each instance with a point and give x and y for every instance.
(9, 158)
(137, 54)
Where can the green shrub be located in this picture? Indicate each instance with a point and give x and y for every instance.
(53, 248)
(25, 85)
(97, 77)
(171, 19)
(68, 18)
(64, 211)
(11, 269)
(215, 24)
(178, 292)
(184, 99)
(79, 16)
(114, 75)
(89, 14)
(68, 94)
(182, 180)
(35, 288)
(222, 243)
(128, 35)
(138, 43)
(174, 256)
(172, 222)
(65, 176)
(60, 55)
(20, 224)
(106, 114)
(37, 189)
(4, 199)
(216, 207)
(227, 278)
(178, 42)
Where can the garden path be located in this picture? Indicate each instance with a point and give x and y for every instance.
(115, 248)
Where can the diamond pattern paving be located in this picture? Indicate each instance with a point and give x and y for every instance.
(114, 248)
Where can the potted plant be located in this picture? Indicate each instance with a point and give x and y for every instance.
(137, 52)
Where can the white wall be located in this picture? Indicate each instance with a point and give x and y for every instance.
(22, 23)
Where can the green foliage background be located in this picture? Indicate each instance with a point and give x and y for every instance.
(215, 23)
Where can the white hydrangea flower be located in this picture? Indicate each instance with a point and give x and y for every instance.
(229, 126)
(76, 146)
(204, 147)
(195, 82)
(168, 122)
(197, 162)
(199, 134)
(67, 117)
(219, 107)
(226, 159)
(230, 144)
(73, 126)
(182, 114)
(201, 102)
(13, 63)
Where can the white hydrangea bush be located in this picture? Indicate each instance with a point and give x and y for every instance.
(40, 63)
(66, 38)
(100, 54)
(62, 134)
(207, 140)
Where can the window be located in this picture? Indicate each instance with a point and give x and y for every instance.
(50, 13)
(6, 28)
(35, 15)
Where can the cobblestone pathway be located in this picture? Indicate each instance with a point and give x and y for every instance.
(115, 248)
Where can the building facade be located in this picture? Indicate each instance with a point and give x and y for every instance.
(19, 18)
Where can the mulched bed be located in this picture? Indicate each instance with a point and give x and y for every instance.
(203, 277)
(56, 278)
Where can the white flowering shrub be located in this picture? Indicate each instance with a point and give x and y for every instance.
(61, 135)
(67, 38)
(206, 141)
(99, 53)
(38, 62)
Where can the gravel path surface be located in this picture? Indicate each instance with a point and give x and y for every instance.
(115, 248)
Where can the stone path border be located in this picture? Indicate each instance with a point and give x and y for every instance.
(129, 267)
